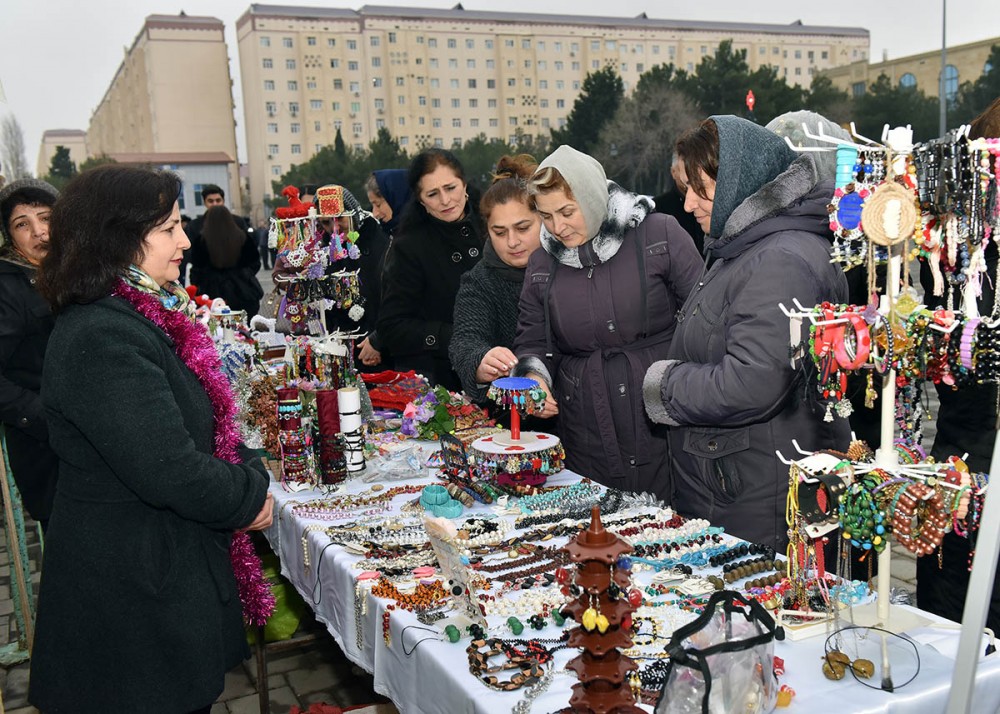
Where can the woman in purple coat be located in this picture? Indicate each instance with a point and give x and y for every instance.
(597, 309)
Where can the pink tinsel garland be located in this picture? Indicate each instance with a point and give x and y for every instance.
(194, 346)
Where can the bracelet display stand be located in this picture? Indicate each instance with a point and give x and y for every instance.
(518, 458)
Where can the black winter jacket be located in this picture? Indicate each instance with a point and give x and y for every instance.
(136, 561)
(25, 325)
(418, 298)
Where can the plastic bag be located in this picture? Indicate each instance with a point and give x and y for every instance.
(289, 607)
(723, 661)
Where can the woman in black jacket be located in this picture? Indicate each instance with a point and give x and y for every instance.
(486, 306)
(139, 607)
(440, 239)
(226, 260)
(25, 325)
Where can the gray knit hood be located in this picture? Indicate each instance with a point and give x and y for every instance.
(11, 188)
(750, 156)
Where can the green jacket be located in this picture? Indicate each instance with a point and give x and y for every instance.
(138, 609)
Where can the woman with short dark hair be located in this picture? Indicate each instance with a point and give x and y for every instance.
(439, 240)
(25, 325)
(144, 549)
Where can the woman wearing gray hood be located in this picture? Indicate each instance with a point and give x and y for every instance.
(597, 309)
(729, 390)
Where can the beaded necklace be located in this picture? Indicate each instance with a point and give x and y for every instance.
(348, 505)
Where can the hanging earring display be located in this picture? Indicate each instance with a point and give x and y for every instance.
(518, 459)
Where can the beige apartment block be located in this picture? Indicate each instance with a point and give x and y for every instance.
(964, 63)
(441, 77)
(171, 95)
(73, 139)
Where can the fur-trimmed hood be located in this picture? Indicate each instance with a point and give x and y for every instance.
(626, 210)
(796, 197)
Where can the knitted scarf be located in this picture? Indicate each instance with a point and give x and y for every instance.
(172, 313)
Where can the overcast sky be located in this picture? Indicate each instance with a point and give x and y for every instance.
(57, 57)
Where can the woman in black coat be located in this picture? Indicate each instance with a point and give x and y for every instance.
(25, 325)
(138, 607)
(728, 390)
(440, 239)
(486, 306)
(225, 259)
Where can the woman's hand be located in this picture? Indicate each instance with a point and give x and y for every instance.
(498, 362)
(368, 355)
(263, 519)
(551, 406)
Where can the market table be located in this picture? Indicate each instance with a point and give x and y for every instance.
(425, 674)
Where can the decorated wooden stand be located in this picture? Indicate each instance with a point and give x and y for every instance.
(519, 458)
(603, 606)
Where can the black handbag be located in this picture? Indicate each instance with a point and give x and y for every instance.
(723, 661)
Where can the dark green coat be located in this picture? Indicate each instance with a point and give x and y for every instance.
(138, 609)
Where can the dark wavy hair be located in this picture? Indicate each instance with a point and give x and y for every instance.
(415, 215)
(698, 148)
(98, 227)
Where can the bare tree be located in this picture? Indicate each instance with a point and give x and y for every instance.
(636, 145)
(15, 162)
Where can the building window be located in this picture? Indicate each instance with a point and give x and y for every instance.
(334, 63)
(512, 121)
(293, 85)
(401, 121)
(421, 120)
(509, 101)
(268, 63)
(470, 64)
(268, 85)
(399, 81)
(775, 50)
(270, 107)
(331, 42)
(456, 123)
(422, 101)
(404, 140)
(355, 107)
(392, 38)
(824, 55)
(490, 64)
(595, 64)
(798, 54)
(436, 103)
(272, 128)
(595, 45)
(352, 66)
(296, 148)
(317, 126)
(336, 106)
(379, 124)
(525, 44)
(338, 124)
(858, 89)
(456, 103)
(295, 127)
(671, 52)
(511, 82)
(354, 87)
(798, 71)
(494, 122)
(289, 64)
(420, 39)
(470, 44)
(543, 103)
(432, 42)
(356, 127)
(275, 170)
(542, 65)
(420, 81)
(473, 103)
(559, 66)
(311, 84)
(560, 84)
(436, 123)
(401, 99)
(352, 44)
(988, 67)
(557, 46)
(286, 42)
(656, 49)
(338, 84)
(265, 41)
(811, 55)
(545, 123)
(474, 123)
(272, 149)
(439, 143)
(527, 81)
(472, 84)
(380, 104)
(489, 44)
(373, 41)
(576, 84)
(315, 103)
(624, 67)
(950, 82)
(491, 84)
(432, 63)
(560, 104)
(452, 44)
(491, 103)
(609, 45)
(453, 63)
(376, 61)
(543, 84)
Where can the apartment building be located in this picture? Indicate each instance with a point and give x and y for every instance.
(75, 140)
(963, 63)
(171, 103)
(441, 77)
